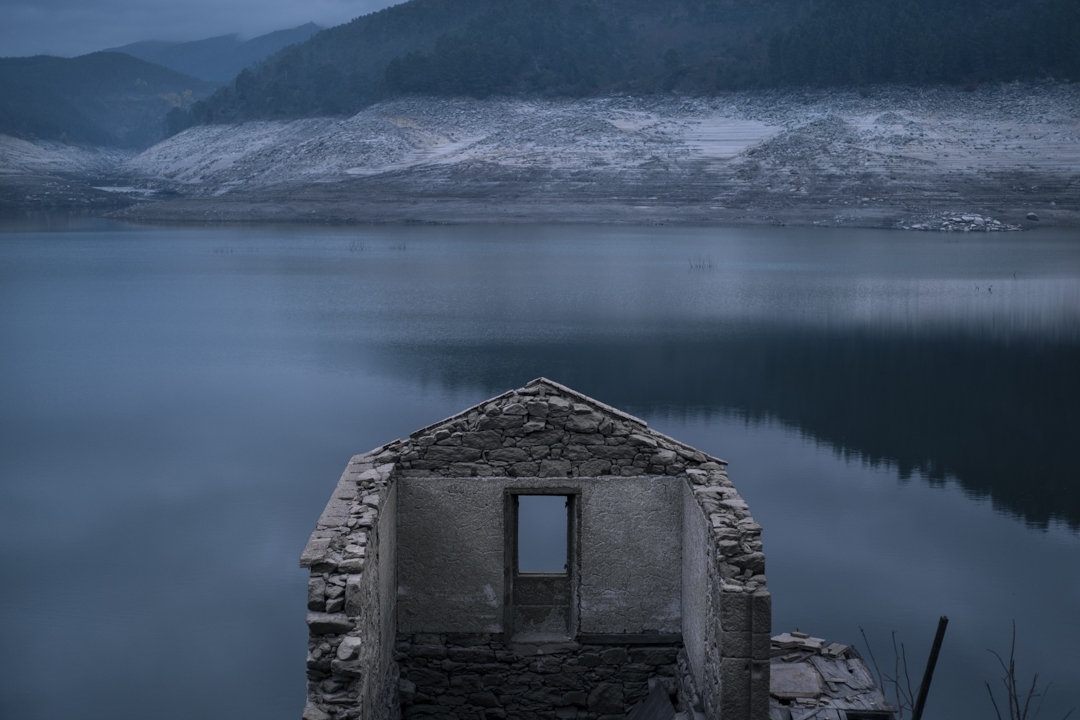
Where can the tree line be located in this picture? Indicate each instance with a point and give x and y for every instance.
(582, 47)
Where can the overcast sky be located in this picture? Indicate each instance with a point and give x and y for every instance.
(75, 27)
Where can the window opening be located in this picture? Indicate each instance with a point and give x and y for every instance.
(542, 533)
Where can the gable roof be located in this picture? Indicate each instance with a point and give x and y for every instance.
(544, 429)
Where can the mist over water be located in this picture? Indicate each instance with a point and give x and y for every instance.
(900, 411)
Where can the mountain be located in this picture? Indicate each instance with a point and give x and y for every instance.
(102, 98)
(217, 59)
(583, 47)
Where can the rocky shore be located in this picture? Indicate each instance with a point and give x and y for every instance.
(907, 158)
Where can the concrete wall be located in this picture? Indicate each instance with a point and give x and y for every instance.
(631, 545)
(695, 581)
(451, 553)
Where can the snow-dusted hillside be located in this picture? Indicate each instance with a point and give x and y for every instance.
(884, 156)
(794, 143)
(404, 134)
(22, 157)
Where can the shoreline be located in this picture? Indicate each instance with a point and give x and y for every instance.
(886, 157)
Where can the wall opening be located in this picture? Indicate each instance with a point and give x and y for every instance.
(542, 544)
(540, 563)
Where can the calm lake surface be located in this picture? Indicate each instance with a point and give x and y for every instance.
(900, 410)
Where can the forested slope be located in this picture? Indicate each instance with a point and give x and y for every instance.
(102, 98)
(583, 47)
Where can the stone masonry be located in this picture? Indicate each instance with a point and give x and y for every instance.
(412, 591)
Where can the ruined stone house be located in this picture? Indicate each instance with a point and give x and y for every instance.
(418, 605)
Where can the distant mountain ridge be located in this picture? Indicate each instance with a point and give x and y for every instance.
(216, 59)
(583, 47)
(107, 99)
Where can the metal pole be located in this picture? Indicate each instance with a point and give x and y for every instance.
(924, 688)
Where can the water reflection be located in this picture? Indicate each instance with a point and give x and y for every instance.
(1000, 418)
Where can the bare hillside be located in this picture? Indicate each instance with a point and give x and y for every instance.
(893, 157)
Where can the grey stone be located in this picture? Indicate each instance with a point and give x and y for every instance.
(735, 687)
(1032, 216)
(614, 656)
(468, 682)
(524, 469)
(537, 408)
(316, 594)
(502, 422)
(754, 562)
(735, 612)
(510, 455)
(583, 423)
(348, 668)
(349, 648)
(593, 468)
(328, 624)
(315, 551)
(432, 652)
(311, 712)
(441, 454)
(613, 452)
(761, 602)
(606, 698)
(554, 468)
(483, 440)
(354, 600)
(472, 655)
(736, 644)
(515, 409)
(546, 437)
(484, 700)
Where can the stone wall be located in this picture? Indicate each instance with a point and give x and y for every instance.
(477, 677)
(730, 609)
(352, 597)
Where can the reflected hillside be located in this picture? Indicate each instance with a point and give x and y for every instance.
(1000, 418)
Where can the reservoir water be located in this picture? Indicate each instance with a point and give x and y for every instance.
(900, 410)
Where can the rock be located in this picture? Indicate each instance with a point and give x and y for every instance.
(584, 423)
(537, 408)
(315, 551)
(316, 594)
(328, 624)
(554, 468)
(349, 648)
(502, 422)
(313, 713)
(483, 440)
(509, 455)
(614, 656)
(1033, 216)
(354, 596)
(451, 453)
(484, 699)
(606, 698)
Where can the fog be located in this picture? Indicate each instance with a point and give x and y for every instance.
(75, 27)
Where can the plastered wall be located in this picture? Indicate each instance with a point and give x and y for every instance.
(451, 553)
